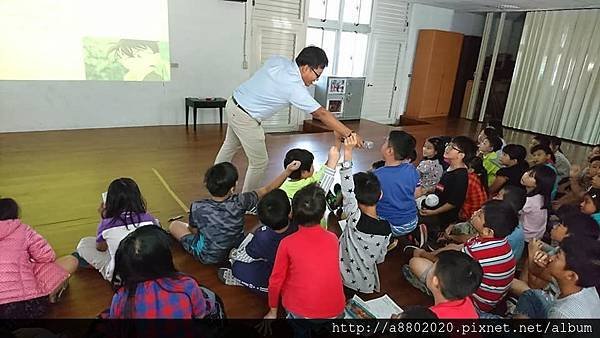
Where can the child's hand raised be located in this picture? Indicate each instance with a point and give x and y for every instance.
(333, 157)
(293, 166)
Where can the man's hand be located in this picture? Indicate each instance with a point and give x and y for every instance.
(293, 166)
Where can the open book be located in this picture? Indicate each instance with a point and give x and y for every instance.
(379, 308)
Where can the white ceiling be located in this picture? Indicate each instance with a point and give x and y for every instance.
(524, 5)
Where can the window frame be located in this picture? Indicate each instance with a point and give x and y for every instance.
(340, 26)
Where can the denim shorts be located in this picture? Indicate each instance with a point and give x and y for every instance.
(535, 304)
(193, 244)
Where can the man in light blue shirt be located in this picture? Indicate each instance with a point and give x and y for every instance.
(277, 84)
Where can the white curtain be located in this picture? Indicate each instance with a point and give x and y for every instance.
(556, 83)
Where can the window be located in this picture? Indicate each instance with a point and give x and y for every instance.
(341, 28)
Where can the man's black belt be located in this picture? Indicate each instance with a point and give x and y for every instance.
(242, 108)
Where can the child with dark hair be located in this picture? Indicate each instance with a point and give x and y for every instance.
(476, 189)
(431, 167)
(399, 179)
(516, 198)
(304, 175)
(493, 223)
(217, 223)
(31, 276)
(452, 278)
(576, 268)
(124, 211)
(452, 188)
(513, 158)
(579, 182)
(541, 154)
(253, 261)
(591, 203)
(306, 272)
(488, 150)
(538, 182)
(562, 163)
(148, 286)
(364, 240)
(538, 139)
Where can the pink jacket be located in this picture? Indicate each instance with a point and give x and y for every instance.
(27, 268)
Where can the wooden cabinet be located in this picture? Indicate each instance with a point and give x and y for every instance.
(434, 73)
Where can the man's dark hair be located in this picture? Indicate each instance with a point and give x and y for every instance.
(467, 146)
(274, 209)
(366, 188)
(305, 157)
(403, 144)
(545, 148)
(220, 178)
(458, 273)
(500, 217)
(308, 205)
(312, 56)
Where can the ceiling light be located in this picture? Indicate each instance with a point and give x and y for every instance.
(508, 6)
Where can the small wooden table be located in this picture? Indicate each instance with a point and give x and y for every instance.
(194, 102)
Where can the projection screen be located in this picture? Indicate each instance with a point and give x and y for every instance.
(115, 40)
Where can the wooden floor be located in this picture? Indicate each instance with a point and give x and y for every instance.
(57, 178)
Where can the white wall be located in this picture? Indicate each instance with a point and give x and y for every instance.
(205, 39)
(429, 17)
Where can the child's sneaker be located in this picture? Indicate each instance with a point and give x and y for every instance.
(414, 280)
(226, 277)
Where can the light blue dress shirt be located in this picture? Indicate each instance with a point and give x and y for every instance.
(276, 85)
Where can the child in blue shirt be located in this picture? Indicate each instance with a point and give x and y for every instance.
(399, 179)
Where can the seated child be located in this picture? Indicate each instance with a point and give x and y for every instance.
(576, 268)
(452, 279)
(123, 212)
(304, 175)
(513, 159)
(306, 272)
(562, 164)
(538, 182)
(32, 276)
(217, 223)
(273, 213)
(591, 202)
(535, 274)
(489, 148)
(476, 189)
(541, 154)
(399, 180)
(430, 168)
(148, 286)
(494, 222)
(452, 188)
(579, 182)
(364, 240)
(515, 197)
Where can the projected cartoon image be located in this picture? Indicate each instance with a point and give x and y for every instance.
(337, 86)
(126, 59)
(336, 106)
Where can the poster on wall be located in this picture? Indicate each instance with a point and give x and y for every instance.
(335, 106)
(337, 86)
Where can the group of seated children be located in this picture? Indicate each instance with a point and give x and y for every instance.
(472, 217)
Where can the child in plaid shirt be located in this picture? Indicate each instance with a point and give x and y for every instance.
(149, 286)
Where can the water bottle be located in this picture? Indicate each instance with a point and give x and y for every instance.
(368, 144)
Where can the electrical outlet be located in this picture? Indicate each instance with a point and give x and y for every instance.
(245, 64)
